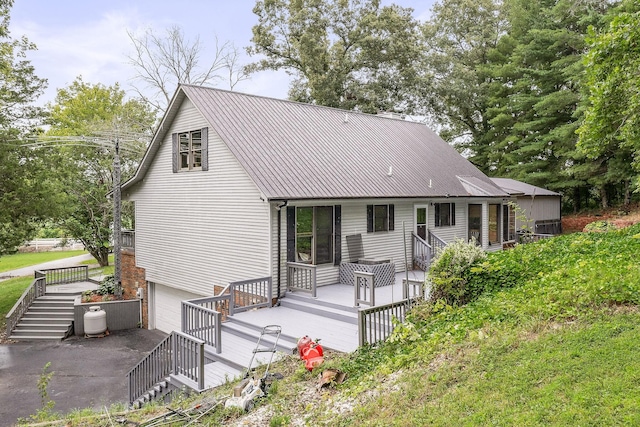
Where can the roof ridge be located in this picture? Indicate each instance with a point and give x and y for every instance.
(299, 103)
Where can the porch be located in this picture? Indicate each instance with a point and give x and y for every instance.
(209, 352)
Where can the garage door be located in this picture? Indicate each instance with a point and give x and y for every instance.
(167, 307)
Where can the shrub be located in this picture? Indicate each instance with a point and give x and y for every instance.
(107, 286)
(448, 272)
(599, 226)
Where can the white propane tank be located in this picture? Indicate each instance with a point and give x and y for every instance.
(95, 321)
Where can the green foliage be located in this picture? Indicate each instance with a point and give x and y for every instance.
(448, 272)
(27, 196)
(43, 389)
(599, 226)
(346, 54)
(107, 286)
(86, 169)
(609, 133)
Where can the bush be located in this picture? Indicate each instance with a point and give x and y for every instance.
(107, 286)
(599, 226)
(448, 272)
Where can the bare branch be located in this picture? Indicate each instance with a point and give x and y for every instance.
(162, 62)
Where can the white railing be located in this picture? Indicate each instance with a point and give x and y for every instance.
(422, 252)
(364, 288)
(301, 277)
(435, 242)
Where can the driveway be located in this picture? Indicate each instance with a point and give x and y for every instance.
(88, 372)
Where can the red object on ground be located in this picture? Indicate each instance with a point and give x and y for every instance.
(311, 352)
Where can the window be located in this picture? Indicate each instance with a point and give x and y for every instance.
(380, 218)
(314, 234)
(445, 214)
(494, 224)
(190, 150)
(508, 223)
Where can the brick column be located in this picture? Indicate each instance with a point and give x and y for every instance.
(133, 277)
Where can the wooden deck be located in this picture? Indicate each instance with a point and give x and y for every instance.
(331, 319)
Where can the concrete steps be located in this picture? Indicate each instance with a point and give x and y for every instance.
(50, 317)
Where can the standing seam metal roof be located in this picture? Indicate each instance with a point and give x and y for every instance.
(302, 151)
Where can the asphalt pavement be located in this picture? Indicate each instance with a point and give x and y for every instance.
(87, 372)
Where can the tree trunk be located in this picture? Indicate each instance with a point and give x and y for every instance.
(604, 198)
(627, 193)
(101, 255)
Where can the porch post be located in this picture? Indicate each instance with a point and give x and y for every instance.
(485, 225)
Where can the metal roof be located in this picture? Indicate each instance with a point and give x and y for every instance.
(294, 150)
(515, 187)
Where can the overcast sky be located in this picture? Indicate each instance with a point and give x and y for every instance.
(89, 37)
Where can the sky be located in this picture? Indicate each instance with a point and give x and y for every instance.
(89, 37)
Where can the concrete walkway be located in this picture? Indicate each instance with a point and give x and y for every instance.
(61, 263)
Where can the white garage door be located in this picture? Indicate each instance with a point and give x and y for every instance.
(167, 307)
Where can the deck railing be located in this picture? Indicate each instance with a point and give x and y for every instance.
(436, 243)
(364, 288)
(179, 354)
(37, 289)
(422, 252)
(56, 276)
(301, 277)
(128, 239)
(250, 294)
(188, 358)
(375, 324)
(528, 237)
(155, 367)
(202, 323)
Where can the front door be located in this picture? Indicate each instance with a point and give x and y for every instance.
(420, 226)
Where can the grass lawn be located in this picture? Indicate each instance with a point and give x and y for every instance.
(15, 261)
(10, 291)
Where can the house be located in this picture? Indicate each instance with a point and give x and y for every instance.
(236, 186)
(539, 209)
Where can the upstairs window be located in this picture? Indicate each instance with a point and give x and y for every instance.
(445, 214)
(190, 150)
(380, 218)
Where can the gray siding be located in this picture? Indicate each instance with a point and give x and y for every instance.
(541, 208)
(198, 229)
(388, 244)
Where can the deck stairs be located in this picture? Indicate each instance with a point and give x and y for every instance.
(239, 339)
(324, 309)
(50, 317)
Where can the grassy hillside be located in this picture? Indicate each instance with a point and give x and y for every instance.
(552, 337)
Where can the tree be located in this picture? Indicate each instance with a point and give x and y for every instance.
(610, 134)
(85, 165)
(464, 41)
(350, 54)
(26, 195)
(164, 62)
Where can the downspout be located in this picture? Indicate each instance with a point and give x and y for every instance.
(279, 209)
